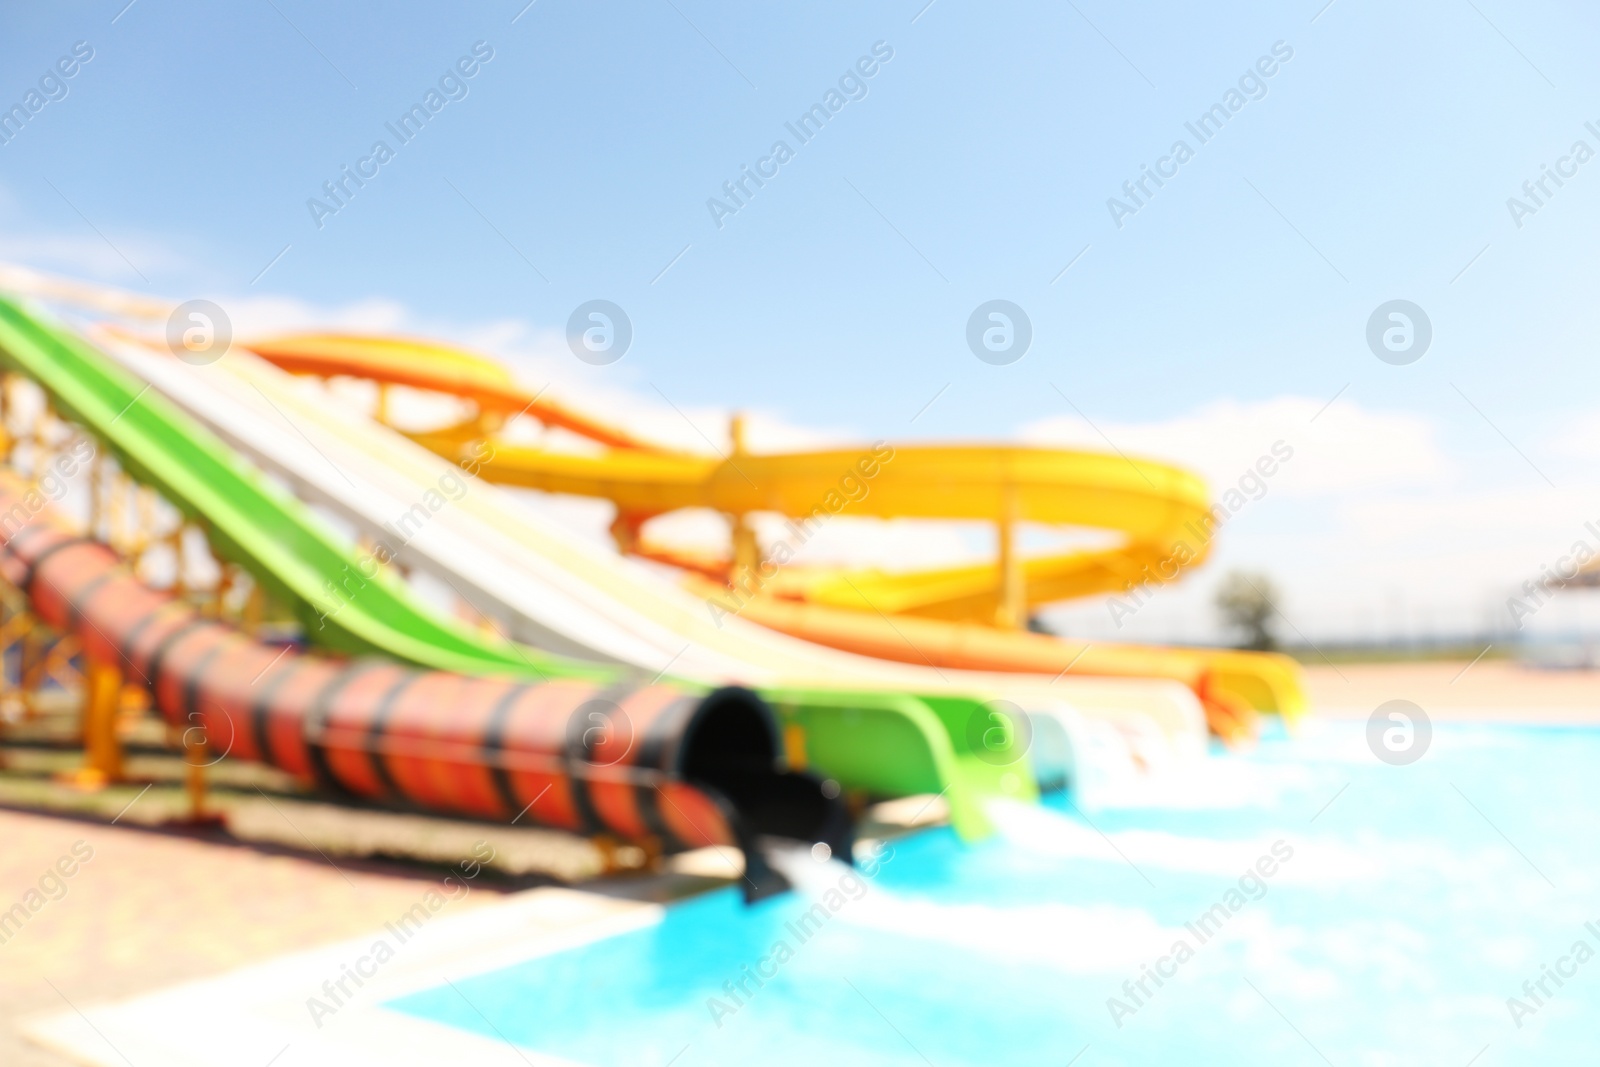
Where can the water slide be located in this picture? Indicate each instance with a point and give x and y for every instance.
(493, 748)
(693, 770)
(942, 618)
(542, 583)
(904, 745)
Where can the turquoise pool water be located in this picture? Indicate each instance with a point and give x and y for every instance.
(1391, 914)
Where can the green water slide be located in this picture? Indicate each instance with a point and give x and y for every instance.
(250, 520)
(880, 743)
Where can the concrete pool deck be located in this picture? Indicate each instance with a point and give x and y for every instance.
(323, 1007)
(1486, 691)
(150, 910)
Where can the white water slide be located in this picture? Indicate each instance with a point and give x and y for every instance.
(547, 586)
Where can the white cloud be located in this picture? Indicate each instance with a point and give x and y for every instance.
(112, 254)
(1372, 528)
(255, 316)
(1336, 449)
(1577, 439)
(618, 393)
(122, 258)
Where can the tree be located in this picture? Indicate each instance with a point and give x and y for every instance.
(1248, 603)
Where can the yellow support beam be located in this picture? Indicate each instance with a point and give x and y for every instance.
(102, 749)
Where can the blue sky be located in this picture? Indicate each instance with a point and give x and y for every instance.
(979, 163)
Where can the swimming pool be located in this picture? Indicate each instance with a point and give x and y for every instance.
(1304, 903)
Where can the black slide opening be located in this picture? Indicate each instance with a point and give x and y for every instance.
(731, 747)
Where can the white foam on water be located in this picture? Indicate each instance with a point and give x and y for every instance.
(1131, 764)
(808, 871)
(1076, 939)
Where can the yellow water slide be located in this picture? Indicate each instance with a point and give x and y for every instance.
(964, 617)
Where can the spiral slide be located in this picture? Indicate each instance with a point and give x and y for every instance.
(942, 618)
(543, 583)
(883, 742)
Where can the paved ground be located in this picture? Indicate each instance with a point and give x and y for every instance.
(152, 909)
(1490, 689)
